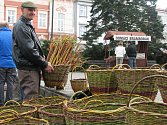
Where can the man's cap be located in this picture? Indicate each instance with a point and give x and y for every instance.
(28, 4)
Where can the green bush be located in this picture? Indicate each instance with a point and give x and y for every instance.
(155, 52)
(45, 47)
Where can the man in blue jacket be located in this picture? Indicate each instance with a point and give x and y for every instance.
(7, 66)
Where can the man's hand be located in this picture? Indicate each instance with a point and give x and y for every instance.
(49, 68)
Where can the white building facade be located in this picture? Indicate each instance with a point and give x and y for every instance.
(62, 17)
(163, 14)
(82, 14)
(1, 9)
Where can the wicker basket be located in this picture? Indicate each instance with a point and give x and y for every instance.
(163, 91)
(147, 113)
(41, 102)
(19, 108)
(155, 66)
(162, 85)
(79, 84)
(57, 78)
(19, 119)
(102, 109)
(94, 116)
(121, 66)
(164, 66)
(53, 113)
(101, 80)
(128, 77)
(105, 98)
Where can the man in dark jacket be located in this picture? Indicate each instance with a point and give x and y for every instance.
(131, 53)
(27, 53)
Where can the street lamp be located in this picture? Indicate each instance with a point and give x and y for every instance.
(51, 37)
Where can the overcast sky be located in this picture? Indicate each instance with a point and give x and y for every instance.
(162, 4)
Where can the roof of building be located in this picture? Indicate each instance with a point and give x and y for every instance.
(110, 34)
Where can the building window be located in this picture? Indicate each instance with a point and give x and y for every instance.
(82, 11)
(61, 18)
(42, 19)
(82, 30)
(11, 15)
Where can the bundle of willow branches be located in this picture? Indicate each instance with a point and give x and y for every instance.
(65, 50)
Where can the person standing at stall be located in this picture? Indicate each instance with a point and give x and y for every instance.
(131, 52)
(120, 53)
(27, 53)
(7, 65)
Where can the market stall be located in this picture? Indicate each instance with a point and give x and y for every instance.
(141, 41)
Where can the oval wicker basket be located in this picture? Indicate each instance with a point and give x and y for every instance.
(45, 101)
(147, 112)
(101, 80)
(18, 119)
(102, 109)
(58, 77)
(155, 66)
(121, 66)
(21, 109)
(127, 78)
(162, 84)
(53, 114)
(164, 66)
(79, 84)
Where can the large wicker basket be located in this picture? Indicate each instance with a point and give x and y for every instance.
(45, 101)
(79, 84)
(18, 119)
(147, 113)
(162, 83)
(154, 66)
(58, 78)
(104, 98)
(101, 80)
(164, 66)
(128, 77)
(19, 108)
(53, 114)
(102, 109)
